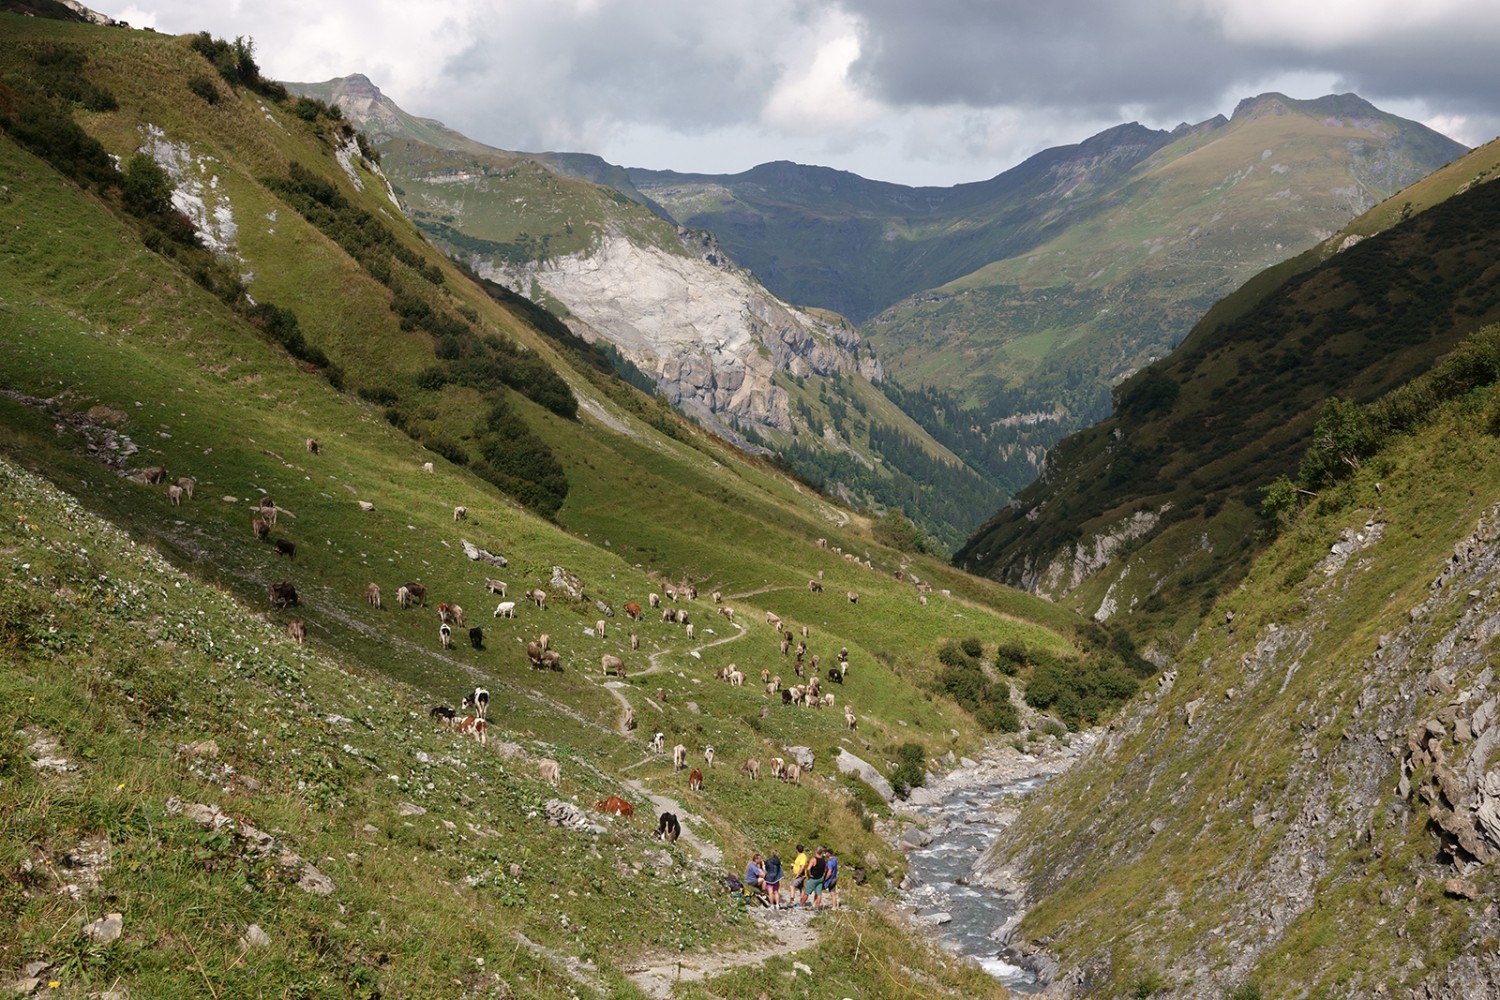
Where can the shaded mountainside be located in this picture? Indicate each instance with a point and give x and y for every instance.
(1155, 509)
(213, 309)
(1309, 805)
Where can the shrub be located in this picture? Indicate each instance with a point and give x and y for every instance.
(972, 646)
(204, 86)
(911, 768)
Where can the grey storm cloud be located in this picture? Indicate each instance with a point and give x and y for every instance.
(1155, 54)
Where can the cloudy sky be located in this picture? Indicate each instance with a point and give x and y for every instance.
(912, 91)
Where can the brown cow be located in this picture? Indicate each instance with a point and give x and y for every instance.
(616, 805)
(633, 611)
(418, 593)
(283, 595)
(286, 547)
(695, 780)
(296, 630)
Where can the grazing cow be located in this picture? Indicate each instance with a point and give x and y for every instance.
(426, 466)
(690, 631)
(661, 695)
(283, 595)
(312, 446)
(814, 586)
(849, 718)
(457, 613)
(552, 660)
(658, 742)
(635, 641)
(442, 713)
(844, 655)
(695, 780)
(443, 612)
(537, 597)
(505, 609)
(708, 755)
(801, 648)
(682, 616)
(186, 484)
(599, 628)
(286, 547)
(679, 757)
(534, 654)
(765, 676)
(718, 597)
(814, 686)
(778, 767)
(296, 630)
(261, 528)
(792, 773)
(445, 635)
(545, 641)
(268, 510)
(460, 513)
(853, 597)
(922, 600)
(633, 611)
(669, 614)
(476, 637)
(479, 701)
(806, 632)
(668, 828)
(822, 543)
(629, 717)
(786, 696)
(174, 494)
(495, 587)
(836, 675)
(475, 726)
(154, 475)
(418, 593)
(653, 599)
(773, 621)
(735, 679)
(751, 767)
(550, 771)
(727, 613)
(815, 663)
(403, 597)
(616, 806)
(770, 689)
(786, 646)
(612, 664)
(828, 700)
(372, 596)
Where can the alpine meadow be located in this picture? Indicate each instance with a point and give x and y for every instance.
(431, 570)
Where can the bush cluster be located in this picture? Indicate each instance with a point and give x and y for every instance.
(962, 679)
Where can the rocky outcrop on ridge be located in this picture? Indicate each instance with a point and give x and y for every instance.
(711, 335)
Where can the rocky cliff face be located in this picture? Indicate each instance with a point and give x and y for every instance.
(1309, 803)
(713, 336)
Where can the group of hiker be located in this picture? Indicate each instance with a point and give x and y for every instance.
(814, 885)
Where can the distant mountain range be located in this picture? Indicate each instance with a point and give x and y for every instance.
(999, 314)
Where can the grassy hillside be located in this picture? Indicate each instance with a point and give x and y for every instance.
(1298, 811)
(128, 347)
(1164, 494)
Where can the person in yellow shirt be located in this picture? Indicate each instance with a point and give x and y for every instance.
(799, 877)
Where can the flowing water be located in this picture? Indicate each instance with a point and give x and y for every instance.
(967, 819)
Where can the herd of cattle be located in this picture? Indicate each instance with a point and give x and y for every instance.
(475, 706)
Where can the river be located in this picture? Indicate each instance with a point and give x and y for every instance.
(965, 812)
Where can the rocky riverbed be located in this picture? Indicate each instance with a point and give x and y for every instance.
(947, 829)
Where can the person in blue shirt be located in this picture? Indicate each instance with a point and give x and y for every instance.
(755, 875)
(831, 880)
(773, 879)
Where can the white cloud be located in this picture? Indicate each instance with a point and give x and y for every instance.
(1326, 25)
(818, 96)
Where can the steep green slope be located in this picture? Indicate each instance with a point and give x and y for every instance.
(127, 347)
(1153, 511)
(1306, 807)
